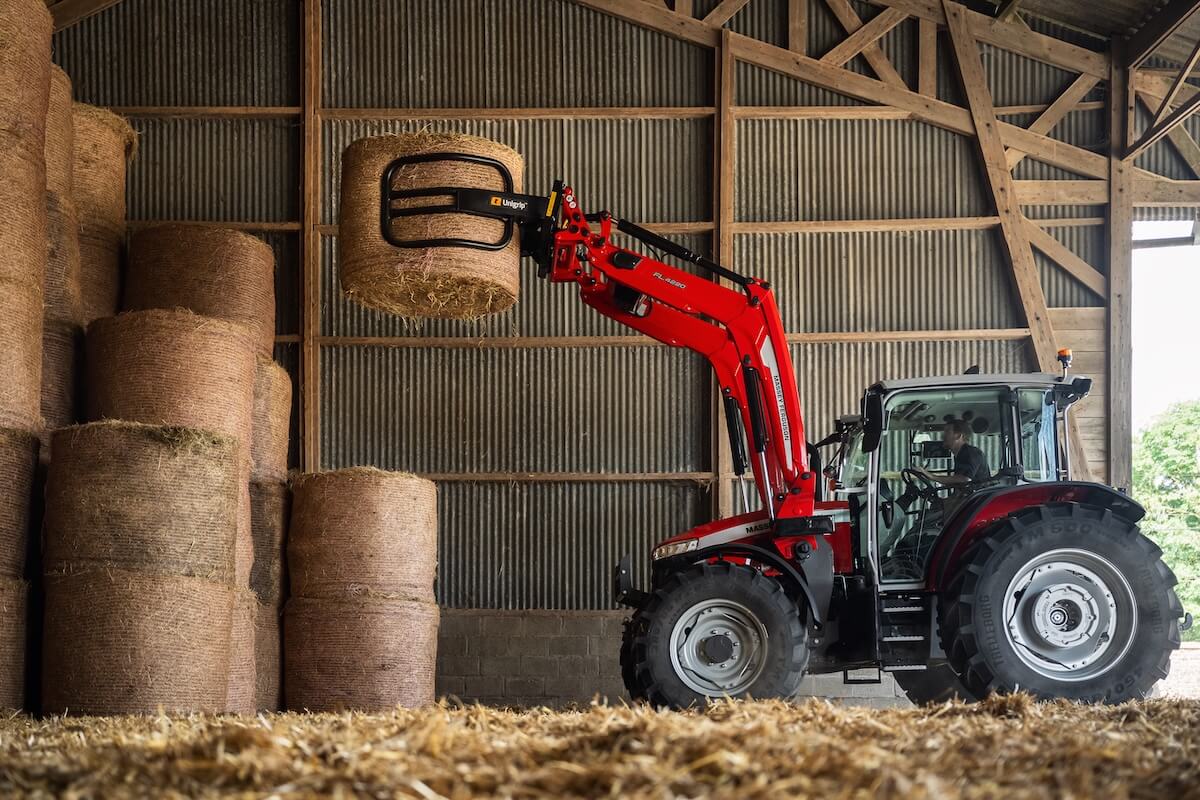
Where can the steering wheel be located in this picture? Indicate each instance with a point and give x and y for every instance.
(920, 484)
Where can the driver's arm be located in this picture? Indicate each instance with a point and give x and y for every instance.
(944, 480)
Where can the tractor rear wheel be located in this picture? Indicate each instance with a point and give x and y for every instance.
(714, 631)
(938, 684)
(1062, 600)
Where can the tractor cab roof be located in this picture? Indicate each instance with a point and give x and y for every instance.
(1013, 379)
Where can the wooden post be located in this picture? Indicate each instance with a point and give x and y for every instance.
(798, 26)
(310, 240)
(1120, 278)
(927, 57)
(724, 155)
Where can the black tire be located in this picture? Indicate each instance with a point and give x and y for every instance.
(647, 664)
(933, 686)
(976, 636)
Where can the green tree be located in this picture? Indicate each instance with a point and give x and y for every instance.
(1166, 480)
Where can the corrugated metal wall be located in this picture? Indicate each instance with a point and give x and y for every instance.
(600, 411)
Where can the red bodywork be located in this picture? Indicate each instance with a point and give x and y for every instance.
(733, 329)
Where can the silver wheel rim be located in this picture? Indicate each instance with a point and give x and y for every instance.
(708, 630)
(1070, 615)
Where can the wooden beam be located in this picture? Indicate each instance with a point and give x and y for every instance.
(1155, 192)
(926, 109)
(1037, 108)
(820, 112)
(1055, 112)
(1015, 38)
(724, 156)
(685, 7)
(724, 12)
(659, 19)
(872, 53)
(1157, 30)
(868, 225)
(68, 12)
(570, 477)
(1177, 85)
(207, 112)
(1181, 140)
(310, 240)
(234, 225)
(797, 11)
(1120, 277)
(1161, 129)
(1084, 272)
(1158, 85)
(1008, 10)
(1016, 239)
(1061, 193)
(864, 37)
(927, 58)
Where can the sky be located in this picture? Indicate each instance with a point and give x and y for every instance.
(1166, 322)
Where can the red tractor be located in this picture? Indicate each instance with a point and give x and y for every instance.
(1009, 577)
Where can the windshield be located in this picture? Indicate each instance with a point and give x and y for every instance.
(856, 466)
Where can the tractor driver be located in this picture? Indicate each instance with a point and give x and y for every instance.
(970, 464)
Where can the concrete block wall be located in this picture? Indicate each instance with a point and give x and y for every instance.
(554, 658)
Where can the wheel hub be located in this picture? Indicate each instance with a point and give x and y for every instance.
(718, 648)
(1070, 614)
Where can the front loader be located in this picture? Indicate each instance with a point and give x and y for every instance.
(1027, 580)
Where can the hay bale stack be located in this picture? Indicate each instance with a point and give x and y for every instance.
(139, 497)
(242, 684)
(219, 273)
(272, 422)
(64, 300)
(103, 144)
(18, 461)
(442, 282)
(21, 351)
(359, 654)
(25, 29)
(62, 364)
(269, 514)
(14, 600)
(268, 658)
(123, 642)
(363, 531)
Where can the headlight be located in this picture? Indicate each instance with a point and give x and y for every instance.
(674, 549)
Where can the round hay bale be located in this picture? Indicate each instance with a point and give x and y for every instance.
(103, 143)
(60, 133)
(18, 461)
(268, 658)
(14, 602)
(441, 282)
(99, 277)
(63, 287)
(141, 497)
(242, 686)
(363, 531)
(25, 28)
(269, 513)
(219, 273)
(272, 422)
(120, 642)
(368, 655)
(23, 198)
(172, 368)
(20, 354)
(243, 565)
(62, 362)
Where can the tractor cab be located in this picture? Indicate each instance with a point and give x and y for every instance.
(922, 448)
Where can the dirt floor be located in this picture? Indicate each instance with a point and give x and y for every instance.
(1184, 680)
(1003, 748)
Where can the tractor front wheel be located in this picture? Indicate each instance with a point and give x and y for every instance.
(1062, 601)
(714, 631)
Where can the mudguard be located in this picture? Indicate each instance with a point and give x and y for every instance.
(983, 509)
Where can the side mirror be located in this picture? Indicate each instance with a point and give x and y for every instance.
(872, 421)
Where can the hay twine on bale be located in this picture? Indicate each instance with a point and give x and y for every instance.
(123, 642)
(363, 531)
(103, 144)
(359, 654)
(269, 504)
(170, 508)
(14, 602)
(241, 689)
(216, 272)
(18, 461)
(272, 422)
(268, 657)
(20, 354)
(1002, 748)
(62, 362)
(172, 368)
(439, 282)
(25, 29)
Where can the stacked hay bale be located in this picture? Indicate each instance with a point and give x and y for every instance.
(269, 505)
(360, 628)
(62, 335)
(178, 368)
(25, 28)
(447, 282)
(103, 144)
(228, 278)
(139, 569)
